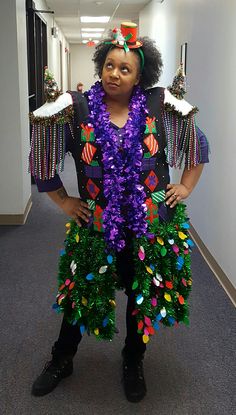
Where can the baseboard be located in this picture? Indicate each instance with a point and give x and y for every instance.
(216, 269)
(16, 219)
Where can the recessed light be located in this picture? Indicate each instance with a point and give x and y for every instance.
(94, 19)
(91, 34)
(92, 29)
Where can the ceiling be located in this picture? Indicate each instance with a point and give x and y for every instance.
(67, 14)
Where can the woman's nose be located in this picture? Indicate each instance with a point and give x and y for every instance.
(115, 73)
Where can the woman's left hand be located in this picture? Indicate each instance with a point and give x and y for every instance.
(175, 193)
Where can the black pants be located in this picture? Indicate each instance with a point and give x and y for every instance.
(70, 336)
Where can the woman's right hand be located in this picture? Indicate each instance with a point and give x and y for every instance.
(76, 209)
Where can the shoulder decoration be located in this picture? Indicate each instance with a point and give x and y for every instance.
(179, 124)
(48, 136)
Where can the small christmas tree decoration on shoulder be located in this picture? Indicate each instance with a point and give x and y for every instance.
(178, 87)
(51, 90)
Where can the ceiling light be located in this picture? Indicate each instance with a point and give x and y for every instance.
(91, 34)
(92, 29)
(94, 19)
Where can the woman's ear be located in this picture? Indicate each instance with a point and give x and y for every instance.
(138, 79)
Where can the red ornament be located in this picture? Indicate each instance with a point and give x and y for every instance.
(169, 284)
(151, 330)
(90, 43)
(140, 325)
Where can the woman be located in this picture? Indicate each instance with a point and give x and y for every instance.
(128, 218)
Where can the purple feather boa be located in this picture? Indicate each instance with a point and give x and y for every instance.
(124, 194)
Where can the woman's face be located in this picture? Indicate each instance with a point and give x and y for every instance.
(120, 73)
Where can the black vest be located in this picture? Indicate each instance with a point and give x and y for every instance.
(88, 156)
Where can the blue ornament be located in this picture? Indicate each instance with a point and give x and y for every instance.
(109, 259)
(158, 317)
(62, 252)
(105, 321)
(55, 306)
(185, 225)
(82, 329)
(156, 325)
(171, 320)
(179, 263)
(190, 243)
(90, 277)
(152, 267)
(139, 299)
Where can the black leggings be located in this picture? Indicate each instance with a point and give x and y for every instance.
(70, 336)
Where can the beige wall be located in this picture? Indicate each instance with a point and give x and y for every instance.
(82, 66)
(210, 30)
(14, 131)
(15, 182)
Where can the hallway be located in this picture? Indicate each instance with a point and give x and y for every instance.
(189, 370)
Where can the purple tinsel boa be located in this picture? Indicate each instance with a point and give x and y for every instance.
(122, 167)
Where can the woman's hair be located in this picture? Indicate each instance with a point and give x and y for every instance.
(152, 60)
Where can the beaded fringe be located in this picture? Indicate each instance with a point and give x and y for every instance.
(48, 144)
(182, 140)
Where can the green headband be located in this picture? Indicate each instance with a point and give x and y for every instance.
(142, 58)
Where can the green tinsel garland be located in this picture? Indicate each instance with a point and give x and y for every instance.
(163, 278)
(87, 292)
(162, 281)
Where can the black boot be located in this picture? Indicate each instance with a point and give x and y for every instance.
(133, 378)
(55, 370)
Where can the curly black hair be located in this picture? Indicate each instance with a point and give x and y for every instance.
(152, 60)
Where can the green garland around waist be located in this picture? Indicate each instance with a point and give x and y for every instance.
(162, 279)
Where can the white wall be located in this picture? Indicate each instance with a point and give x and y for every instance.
(15, 182)
(159, 22)
(210, 30)
(82, 66)
(54, 46)
(14, 128)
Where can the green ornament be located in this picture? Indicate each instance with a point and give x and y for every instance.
(135, 285)
(163, 251)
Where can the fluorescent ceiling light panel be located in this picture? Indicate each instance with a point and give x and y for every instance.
(92, 29)
(91, 34)
(94, 19)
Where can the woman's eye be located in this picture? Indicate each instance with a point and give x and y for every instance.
(109, 65)
(125, 69)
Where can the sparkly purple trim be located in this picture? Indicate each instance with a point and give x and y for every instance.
(122, 188)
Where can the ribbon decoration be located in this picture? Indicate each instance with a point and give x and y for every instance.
(121, 42)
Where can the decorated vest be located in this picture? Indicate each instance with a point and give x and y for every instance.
(88, 158)
(169, 137)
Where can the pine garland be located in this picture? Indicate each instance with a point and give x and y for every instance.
(87, 282)
(162, 280)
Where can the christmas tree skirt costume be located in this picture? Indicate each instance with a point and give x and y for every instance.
(161, 283)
